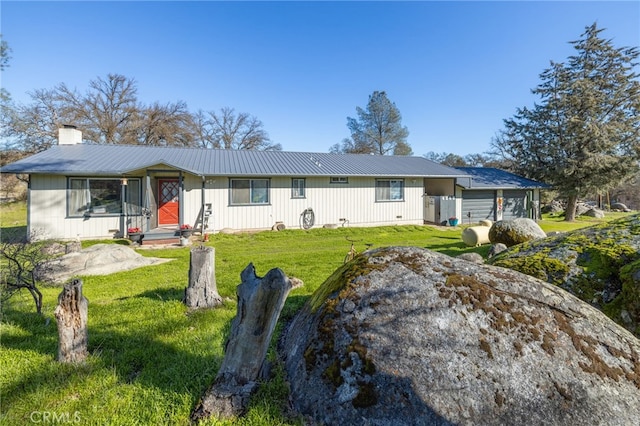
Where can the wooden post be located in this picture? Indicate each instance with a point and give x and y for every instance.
(260, 301)
(71, 315)
(202, 291)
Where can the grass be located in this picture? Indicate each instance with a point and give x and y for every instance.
(150, 358)
(556, 223)
(13, 219)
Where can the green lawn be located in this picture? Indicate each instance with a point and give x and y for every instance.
(551, 223)
(13, 219)
(150, 358)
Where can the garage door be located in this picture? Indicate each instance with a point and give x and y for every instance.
(478, 205)
(514, 204)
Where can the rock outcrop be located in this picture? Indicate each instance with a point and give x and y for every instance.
(408, 336)
(596, 213)
(599, 264)
(554, 207)
(620, 207)
(496, 249)
(99, 259)
(516, 231)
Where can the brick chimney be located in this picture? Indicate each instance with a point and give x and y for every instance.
(69, 135)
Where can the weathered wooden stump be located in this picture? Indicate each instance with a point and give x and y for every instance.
(202, 291)
(71, 315)
(260, 301)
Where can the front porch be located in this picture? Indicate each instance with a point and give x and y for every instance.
(164, 235)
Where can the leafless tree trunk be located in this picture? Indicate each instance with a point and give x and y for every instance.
(260, 301)
(202, 291)
(71, 315)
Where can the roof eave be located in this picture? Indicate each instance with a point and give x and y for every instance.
(162, 163)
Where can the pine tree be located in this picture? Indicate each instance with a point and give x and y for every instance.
(377, 130)
(584, 135)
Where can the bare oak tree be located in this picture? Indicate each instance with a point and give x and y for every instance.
(33, 127)
(109, 113)
(202, 129)
(166, 125)
(106, 113)
(231, 130)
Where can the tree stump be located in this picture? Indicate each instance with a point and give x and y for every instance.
(202, 291)
(71, 316)
(260, 301)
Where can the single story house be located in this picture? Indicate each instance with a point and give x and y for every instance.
(494, 194)
(82, 191)
(86, 191)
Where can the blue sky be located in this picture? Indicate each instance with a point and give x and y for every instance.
(454, 69)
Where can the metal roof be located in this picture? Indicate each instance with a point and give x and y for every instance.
(491, 178)
(97, 160)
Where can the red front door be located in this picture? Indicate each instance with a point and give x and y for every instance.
(168, 207)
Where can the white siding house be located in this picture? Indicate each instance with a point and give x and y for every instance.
(101, 191)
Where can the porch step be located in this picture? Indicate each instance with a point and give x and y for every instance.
(161, 237)
(153, 241)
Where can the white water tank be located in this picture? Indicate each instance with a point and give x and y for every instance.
(476, 235)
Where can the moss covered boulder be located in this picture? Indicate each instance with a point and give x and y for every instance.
(599, 264)
(406, 336)
(515, 231)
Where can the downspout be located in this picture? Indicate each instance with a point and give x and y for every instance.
(180, 201)
(147, 202)
(123, 207)
(202, 208)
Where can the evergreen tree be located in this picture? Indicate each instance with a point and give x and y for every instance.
(584, 135)
(377, 130)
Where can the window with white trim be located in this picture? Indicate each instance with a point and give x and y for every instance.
(338, 179)
(389, 190)
(298, 188)
(249, 191)
(101, 196)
